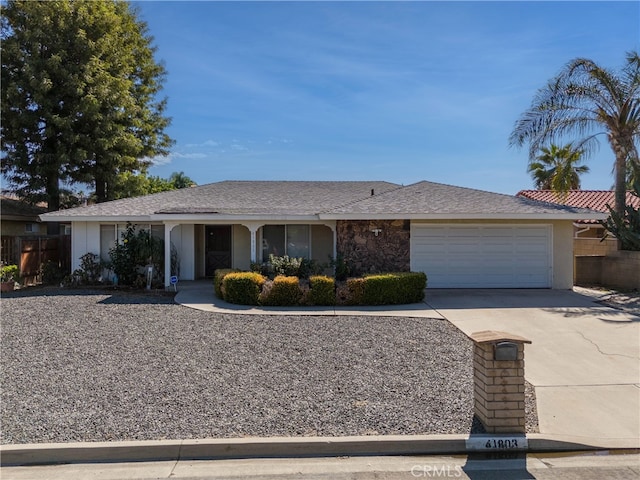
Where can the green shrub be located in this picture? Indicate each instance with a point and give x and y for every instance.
(9, 273)
(285, 265)
(283, 291)
(341, 267)
(52, 273)
(89, 273)
(413, 285)
(305, 288)
(218, 276)
(350, 292)
(136, 250)
(323, 290)
(394, 288)
(242, 288)
(309, 268)
(299, 267)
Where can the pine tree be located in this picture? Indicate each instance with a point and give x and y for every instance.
(80, 90)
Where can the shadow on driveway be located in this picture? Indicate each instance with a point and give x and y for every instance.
(506, 298)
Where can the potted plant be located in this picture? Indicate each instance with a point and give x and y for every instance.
(8, 276)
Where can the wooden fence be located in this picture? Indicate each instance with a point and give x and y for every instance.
(30, 253)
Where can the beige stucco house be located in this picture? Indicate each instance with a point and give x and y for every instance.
(589, 236)
(460, 237)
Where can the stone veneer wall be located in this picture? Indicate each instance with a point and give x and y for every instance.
(366, 253)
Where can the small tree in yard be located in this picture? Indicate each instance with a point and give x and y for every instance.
(133, 253)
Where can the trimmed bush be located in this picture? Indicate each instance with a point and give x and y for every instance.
(242, 288)
(218, 277)
(350, 292)
(283, 291)
(394, 288)
(323, 290)
(412, 285)
(251, 288)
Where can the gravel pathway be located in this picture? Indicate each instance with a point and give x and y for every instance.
(96, 366)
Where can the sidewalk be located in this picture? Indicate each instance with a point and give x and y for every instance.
(540, 466)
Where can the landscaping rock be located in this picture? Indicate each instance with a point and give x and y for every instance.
(96, 366)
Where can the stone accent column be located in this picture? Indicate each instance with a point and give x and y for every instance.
(498, 376)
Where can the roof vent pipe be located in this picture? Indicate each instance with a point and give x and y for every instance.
(372, 192)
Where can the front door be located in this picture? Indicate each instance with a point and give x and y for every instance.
(217, 248)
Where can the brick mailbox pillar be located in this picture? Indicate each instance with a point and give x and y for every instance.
(498, 372)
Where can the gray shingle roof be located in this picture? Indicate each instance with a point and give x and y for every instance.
(326, 200)
(237, 198)
(428, 198)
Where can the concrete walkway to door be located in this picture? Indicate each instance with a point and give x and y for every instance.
(584, 360)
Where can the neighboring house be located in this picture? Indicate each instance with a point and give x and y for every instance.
(459, 237)
(17, 219)
(27, 242)
(587, 233)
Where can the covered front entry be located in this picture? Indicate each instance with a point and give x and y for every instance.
(217, 248)
(483, 256)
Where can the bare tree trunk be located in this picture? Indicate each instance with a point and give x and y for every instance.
(53, 191)
(621, 154)
(101, 185)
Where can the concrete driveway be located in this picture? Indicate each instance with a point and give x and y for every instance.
(584, 360)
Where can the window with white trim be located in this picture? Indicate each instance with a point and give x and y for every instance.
(110, 234)
(292, 240)
(31, 228)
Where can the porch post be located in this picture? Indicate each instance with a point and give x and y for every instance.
(167, 253)
(335, 242)
(253, 229)
(334, 231)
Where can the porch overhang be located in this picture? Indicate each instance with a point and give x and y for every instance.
(228, 218)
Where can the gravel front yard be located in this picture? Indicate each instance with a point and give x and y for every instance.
(96, 366)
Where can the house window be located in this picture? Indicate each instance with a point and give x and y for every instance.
(110, 234)
(107, 240)
(30, 228)
(292, 240)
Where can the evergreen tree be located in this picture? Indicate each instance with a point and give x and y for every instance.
(79, 100)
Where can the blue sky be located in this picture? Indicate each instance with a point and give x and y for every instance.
(396, 91)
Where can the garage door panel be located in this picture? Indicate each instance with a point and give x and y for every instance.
(483, 255)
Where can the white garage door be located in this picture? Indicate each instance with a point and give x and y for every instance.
(482, 256)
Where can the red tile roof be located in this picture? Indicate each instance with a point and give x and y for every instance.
(592, 199)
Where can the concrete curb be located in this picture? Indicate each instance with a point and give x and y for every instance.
(284, 447)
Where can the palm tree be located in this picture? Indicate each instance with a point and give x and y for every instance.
(557, 169)
(588, 100)
(180, 180)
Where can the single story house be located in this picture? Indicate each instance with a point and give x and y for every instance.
(587, 233)
(19, 217)
(459, 237)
